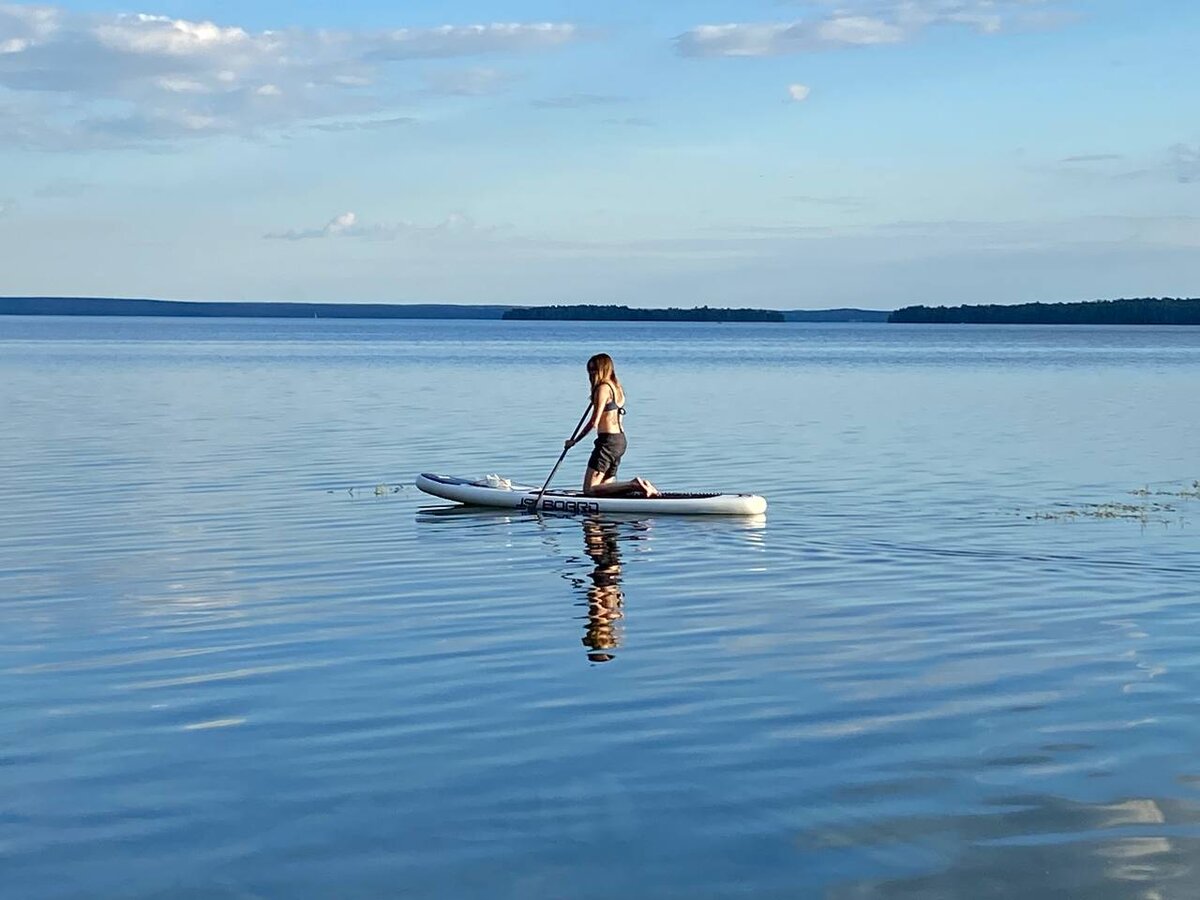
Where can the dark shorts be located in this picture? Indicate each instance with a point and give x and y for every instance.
(607, 453)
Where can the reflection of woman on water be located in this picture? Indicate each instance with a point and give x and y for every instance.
(608, 406)
(604, 597)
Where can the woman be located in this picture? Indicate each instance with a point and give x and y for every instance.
(608, 405)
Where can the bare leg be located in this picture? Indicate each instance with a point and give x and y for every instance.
(595, 484)
(647, 488)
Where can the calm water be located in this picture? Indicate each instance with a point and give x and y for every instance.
(229, 667)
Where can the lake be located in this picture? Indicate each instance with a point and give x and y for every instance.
(244, 657)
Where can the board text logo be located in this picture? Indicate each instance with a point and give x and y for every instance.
(551, 504)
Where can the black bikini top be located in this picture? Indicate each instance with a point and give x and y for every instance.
(612, 404)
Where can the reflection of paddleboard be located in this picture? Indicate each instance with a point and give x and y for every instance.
(520, 496)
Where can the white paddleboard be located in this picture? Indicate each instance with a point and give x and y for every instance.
(521, 496)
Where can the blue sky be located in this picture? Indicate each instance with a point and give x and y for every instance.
(870, 153)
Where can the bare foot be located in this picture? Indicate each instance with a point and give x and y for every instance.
(646, 487)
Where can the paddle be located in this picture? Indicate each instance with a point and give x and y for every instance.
(537, 500)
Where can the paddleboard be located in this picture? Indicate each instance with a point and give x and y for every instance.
(523, 496)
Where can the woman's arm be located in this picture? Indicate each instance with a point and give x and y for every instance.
(597, 412)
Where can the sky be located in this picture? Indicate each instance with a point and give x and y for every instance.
(788, 155)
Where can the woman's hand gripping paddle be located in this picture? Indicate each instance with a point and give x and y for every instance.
(538, 500)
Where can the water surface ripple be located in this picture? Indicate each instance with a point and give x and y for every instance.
(242, 656)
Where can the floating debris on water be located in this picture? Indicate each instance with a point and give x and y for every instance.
(380, 490)
(1107, 511)
(1157, 511)
(1191, 492)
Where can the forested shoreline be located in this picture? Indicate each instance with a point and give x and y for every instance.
(236, 309)
(1143, 311)
(589, 313)
(114, 306)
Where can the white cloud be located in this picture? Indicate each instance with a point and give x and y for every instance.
(799, 92)
(859, 23)
(347, 225)
(341, 224)
(178, 85)
(78, 79)
(861, 30)
(471, 40)
(162, 36)
(32, 22)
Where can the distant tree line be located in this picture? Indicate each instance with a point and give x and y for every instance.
(110, 306)
(114, 306)
(588, 313)
(1145, 311)
(836, 315)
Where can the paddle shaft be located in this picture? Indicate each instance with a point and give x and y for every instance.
(537, 502)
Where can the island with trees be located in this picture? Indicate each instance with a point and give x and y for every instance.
(1145, 311)
(590, 313)
(842, 314)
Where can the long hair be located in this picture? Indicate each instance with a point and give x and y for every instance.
(600, 369)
